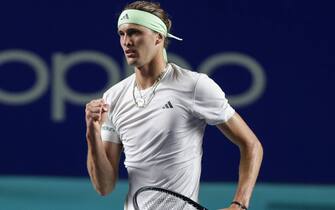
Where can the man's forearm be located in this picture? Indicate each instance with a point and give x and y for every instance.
(100, 169)
(250, 162)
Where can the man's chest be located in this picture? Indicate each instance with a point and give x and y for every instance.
(165, 114)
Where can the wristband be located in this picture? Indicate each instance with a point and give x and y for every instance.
(240, 205)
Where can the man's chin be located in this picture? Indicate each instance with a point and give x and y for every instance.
(133, 62)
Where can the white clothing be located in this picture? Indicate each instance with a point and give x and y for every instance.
(163, 141)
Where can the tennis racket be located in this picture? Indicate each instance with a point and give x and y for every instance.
(155, 198)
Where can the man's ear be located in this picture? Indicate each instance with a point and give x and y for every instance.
(160, 39)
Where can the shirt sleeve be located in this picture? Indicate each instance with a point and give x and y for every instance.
(210, 103)
(108, 131)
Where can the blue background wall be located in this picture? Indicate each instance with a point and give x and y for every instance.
(289, 44)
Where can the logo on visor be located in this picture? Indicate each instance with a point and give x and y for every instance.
(125, 17)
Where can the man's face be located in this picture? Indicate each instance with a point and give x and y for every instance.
(139, 44)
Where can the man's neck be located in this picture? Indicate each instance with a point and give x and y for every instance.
(147, 75)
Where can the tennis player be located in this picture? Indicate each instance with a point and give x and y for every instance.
(157, 117)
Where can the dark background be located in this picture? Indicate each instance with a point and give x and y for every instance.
(292, 41)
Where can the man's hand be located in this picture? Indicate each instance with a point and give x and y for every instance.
(96, 113)
(232, 207)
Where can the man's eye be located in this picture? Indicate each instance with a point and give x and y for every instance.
(121, 33)
(133, 32)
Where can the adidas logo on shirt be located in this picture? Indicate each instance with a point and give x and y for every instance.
(168, 105)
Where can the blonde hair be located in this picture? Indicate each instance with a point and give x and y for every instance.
(155, 9)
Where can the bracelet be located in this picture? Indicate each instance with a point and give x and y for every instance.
(240, 205)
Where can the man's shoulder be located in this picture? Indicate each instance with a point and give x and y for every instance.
(185, 75)
(119, 87)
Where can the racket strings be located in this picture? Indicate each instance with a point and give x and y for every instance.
(152, 200)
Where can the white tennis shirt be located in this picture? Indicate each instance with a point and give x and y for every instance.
(163, 141)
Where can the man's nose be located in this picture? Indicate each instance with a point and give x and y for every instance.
(126, 41)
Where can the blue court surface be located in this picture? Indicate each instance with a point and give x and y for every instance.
(56, 193)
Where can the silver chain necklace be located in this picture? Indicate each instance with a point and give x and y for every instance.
(142, 101)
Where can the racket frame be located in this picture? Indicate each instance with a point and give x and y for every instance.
(170, 192)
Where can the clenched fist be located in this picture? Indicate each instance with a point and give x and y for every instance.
(96, 113)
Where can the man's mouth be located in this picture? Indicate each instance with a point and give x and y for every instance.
(130, 53)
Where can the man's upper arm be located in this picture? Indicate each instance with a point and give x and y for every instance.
(238, 131)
